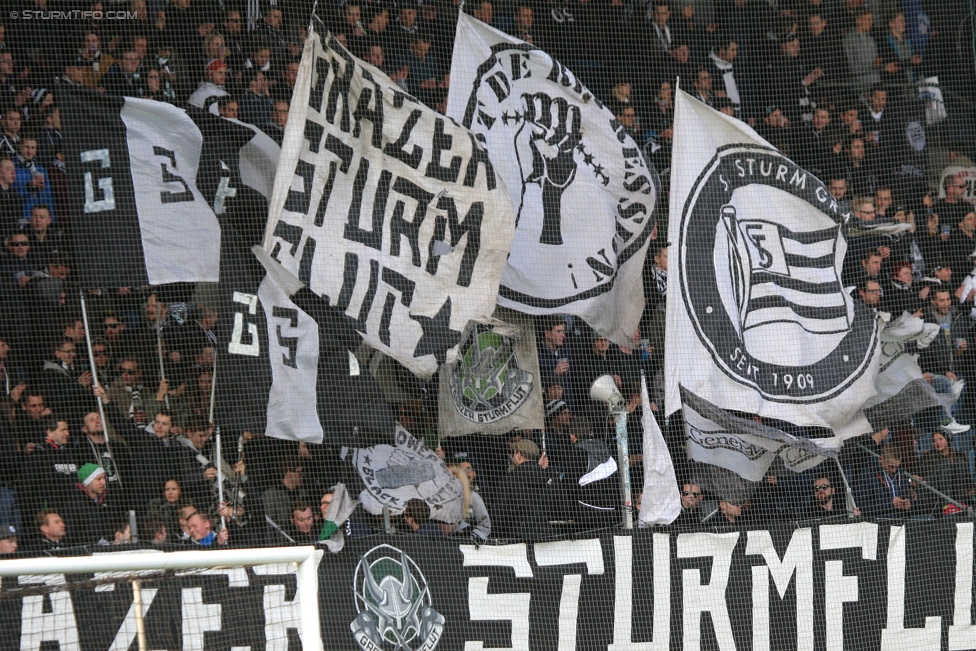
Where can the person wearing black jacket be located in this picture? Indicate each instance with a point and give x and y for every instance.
(50, 471)
(524, 502)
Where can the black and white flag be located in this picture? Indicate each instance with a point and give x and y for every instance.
(743, 446)
(583, 194)
(133, 166)
(387, 209)
(408, 469)
(757, 317)
(494, 386)
(303, 382)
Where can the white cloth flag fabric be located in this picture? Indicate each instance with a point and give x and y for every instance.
(395, 474)
(583, 193)
(743, 446)
(133, 166)
(389, 209)
(757, 318)
(494, 387)
(661, 501)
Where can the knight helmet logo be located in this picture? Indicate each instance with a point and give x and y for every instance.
(487, 383)
(394, 604)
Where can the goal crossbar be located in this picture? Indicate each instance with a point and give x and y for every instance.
(306, 559)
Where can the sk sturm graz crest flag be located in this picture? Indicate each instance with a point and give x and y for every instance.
(584, 197)
(758, 320)
(493, 387)
(387, 209)
(132, 171)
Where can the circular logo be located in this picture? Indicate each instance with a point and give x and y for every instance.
(487, 383)
(761, 254)
(584, 193)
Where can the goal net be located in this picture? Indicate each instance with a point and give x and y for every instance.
(238, 599)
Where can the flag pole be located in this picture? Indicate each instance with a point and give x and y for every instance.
(851, 504)
(159, 349)
(623, 451)
(94, 372)
(220, 480)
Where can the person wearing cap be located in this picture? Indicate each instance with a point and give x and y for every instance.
(527, 496)
(211, 87)
(91, 511)
(962, 244)
(8, 539)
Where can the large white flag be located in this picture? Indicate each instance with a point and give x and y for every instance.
(391, 210)
(757, 317)
(583, 194)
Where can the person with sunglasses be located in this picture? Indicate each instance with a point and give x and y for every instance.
(823, 503)
(692, 511)
(17, 263)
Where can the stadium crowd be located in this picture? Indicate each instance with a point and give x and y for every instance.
(851, 89)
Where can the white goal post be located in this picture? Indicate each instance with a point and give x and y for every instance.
(306, 559)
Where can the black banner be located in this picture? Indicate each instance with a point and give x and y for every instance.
(838, 586)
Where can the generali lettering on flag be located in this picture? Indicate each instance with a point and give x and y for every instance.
(757, 317)
(133, 166)
(391, 211)
(584, 196)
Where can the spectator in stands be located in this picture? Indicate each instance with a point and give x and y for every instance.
(32, 181)
(90, 510)
(255, 102)
(947, 471)
(10, 138)
(17, 263)
(202, 533)
(691, 505)
(279, 119)
(883, 492)
(862, 176)
(227, 107)
(837, 185)
(516, 515)
(44, 240)
(476, 521)
(124, 77)
(899, 57)
(423, 70)
(703, 86)
(65, 385)
(30, 420)
(135, 401)
(278, 499)
(861, 50)
(302, 523)
(11, 205)
(962, 245)
(952, 208)
(823, 504)
(732, 514)
(522, 23)
(416, 518)
(8, 539)
(155, 531)
(53, 531)
(775, 127)
(168, 509)
(211, 88)
(554, 358)
(723, 75)
(901, 295)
